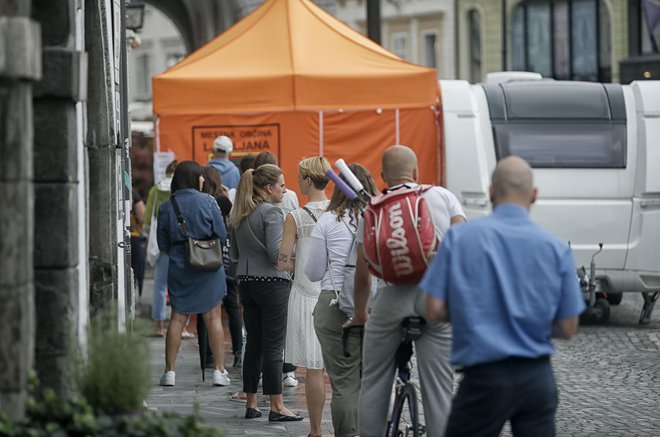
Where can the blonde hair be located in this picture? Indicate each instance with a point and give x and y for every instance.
(251, 191)
(315, 168)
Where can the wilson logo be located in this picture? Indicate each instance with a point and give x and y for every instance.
(397, 242)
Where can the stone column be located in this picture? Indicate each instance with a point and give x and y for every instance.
(101, 143)
(20, 66)
(58, 229)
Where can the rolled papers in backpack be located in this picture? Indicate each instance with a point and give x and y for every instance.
(350, 177)
(348, 191)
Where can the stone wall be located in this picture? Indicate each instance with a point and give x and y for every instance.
(20, 66)
(57, 229)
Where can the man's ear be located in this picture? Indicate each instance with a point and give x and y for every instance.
(382, 176)
(491, 193)
(532, 199)
(415, 174)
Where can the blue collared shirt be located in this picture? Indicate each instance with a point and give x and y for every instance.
(505, 280)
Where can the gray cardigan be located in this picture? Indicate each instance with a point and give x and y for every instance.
(267, 223)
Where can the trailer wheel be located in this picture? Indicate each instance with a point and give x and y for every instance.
(615, 298)
(601, 311)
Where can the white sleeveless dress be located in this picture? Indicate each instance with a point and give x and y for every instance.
(302, 347)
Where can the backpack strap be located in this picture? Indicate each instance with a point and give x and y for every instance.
(335, 301)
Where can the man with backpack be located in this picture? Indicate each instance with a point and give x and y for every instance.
(396, 302)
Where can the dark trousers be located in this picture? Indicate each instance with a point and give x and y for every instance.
(520, 390)
(138, 255)
(230, 303)
(265, 307)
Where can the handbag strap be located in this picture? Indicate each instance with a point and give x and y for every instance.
(179, 217)
(153, 204)
(311, 214)
(335, 301)
(262, 245)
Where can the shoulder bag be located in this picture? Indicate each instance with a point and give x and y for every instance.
(200, 254)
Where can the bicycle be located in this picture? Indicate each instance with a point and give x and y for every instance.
(404, 420)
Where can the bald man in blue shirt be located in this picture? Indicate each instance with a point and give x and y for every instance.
(507, 286)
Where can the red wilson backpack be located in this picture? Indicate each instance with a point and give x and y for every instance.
(399, 236)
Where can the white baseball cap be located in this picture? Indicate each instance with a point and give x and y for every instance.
(223, 144)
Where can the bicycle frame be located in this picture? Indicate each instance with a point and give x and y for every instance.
(405, 392)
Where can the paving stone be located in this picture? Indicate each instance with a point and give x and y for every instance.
(608, 378)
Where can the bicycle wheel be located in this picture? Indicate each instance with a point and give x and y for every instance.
(405, 421)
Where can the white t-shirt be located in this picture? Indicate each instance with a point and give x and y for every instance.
(330, 240)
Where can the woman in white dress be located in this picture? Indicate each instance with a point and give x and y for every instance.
(302, 346)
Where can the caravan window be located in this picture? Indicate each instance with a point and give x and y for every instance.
(559, 125)
(555, 145)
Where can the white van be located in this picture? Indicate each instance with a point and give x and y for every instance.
(595, 150)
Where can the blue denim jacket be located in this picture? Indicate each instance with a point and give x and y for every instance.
(191, 291)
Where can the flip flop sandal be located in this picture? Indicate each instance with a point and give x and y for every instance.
(236, 397)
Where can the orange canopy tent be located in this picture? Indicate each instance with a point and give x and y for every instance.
(292, 79)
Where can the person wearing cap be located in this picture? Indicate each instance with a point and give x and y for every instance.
(222, 148)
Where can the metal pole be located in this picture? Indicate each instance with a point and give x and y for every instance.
(373, 20)
(125, 162)
(504, 36)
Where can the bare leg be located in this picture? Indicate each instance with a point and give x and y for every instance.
(213, 321)
(251, 400)
(315, 396)
(158, 328)
(173, 339)
(277, 405)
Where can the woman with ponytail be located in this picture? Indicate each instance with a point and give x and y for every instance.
(256, 232)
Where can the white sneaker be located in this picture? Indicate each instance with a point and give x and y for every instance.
(290, 380)
(221, 378)
(168, 379)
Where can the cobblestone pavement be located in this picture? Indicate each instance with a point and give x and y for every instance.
(608, 378)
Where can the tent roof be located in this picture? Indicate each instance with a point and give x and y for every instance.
(291, 55)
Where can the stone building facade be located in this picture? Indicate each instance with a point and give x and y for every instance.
(419, 31)
(589, 40)
(63, 213)
(65, 183)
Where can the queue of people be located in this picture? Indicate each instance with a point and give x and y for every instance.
(502, 322)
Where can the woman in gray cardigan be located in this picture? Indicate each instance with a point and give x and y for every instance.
(257, 226)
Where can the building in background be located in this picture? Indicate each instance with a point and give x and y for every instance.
(419, 31)
(589, 40)
(644, 41)
(159, 46)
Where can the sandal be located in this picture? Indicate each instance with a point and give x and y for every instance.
(187, 335)
(238, 397)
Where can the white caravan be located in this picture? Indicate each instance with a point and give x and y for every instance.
(595, 150)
